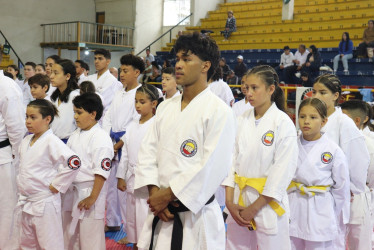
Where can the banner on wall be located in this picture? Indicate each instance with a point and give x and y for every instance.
(301, 94)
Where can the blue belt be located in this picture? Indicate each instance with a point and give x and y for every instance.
(117, 137)
(65, 140)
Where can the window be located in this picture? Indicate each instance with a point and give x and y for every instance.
(175, 11)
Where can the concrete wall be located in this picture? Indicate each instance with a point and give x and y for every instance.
(117, 12)
(21, 20)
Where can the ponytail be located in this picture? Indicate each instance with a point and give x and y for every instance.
(278, 98)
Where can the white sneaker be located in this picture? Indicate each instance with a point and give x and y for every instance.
(346, 71)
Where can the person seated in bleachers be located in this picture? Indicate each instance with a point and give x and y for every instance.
(286, 61)
(313, 62)
(156, 76)
(300, 59)
(305, 80)
(225, 68)
(166, 64)
(230, 25)
(232, 79)
(241, 68)
(368, 40)
(345, 52)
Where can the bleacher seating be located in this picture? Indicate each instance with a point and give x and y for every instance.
(261, 33)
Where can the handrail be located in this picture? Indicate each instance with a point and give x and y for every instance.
(149, 46)
(116, 26)
(7, 42)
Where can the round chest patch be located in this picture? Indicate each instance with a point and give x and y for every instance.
(326, 157)
(189, 148)
(268, 138)
(74, 162)
(106, 164)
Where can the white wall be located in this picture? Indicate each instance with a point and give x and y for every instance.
(21, 20)
(148, 24)
(117, 12)
(200, 9)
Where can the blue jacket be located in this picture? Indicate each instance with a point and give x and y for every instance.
(342, 49)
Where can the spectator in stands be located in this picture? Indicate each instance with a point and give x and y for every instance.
(286, 61)
(225, 68)
(300, 59)
(313, 62)
(368, 40)
(166, 64)
(40, 69)
(345, 52)
(79, 68)
(149, 56)
(156, 76)
(305, 80)
(230, 25)
(232, 79)
(241, 68)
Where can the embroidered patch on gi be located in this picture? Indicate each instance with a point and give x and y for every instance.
(268, 138)
(74, 162)
(326, 157)
(189, 148)
(106, 164)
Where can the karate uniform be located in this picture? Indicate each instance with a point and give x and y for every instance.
(82, 78)
(86, 228)
(120, 113)
(12, 127)
(264, 150)
(47, 161)
(107, 85)
(342, 130)
(136, 207)
(176, 94)
(313, 219)
(64, 125)
(27, 97)
(188, 152)
(223, 91)
(240, 107)
(368, 132)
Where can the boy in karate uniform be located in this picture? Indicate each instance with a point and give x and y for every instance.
(117, 118)
(184, 156)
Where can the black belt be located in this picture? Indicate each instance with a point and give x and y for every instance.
(5, 143)
(177, 234)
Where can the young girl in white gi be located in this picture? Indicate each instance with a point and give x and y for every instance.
(146, 100)
(94, 146)
(63, 77)
(47, 167)
(342, 130)
(320, 186)
(264, 162)
(243, 105)
(169, 84)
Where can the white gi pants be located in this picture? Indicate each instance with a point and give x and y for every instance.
(240, 238)
(8, 201)
(136, 214)
(359, 236)
(42, 232)
(300, 244)
(113, 210)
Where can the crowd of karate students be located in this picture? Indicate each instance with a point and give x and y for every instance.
(102, 152)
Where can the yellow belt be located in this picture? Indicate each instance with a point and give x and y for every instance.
(307, 190)
(258, 184)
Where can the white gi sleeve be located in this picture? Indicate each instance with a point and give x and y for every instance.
(68, 164)
(122, 165)
(107, 120)
(284, 164)
(195, 187)
(13, 113)
(340, 175)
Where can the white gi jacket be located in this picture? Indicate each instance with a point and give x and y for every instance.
(47, 161)
(12, 118)
(190, 152)
(107, 85)
(132, 141)
(223, 91)
(63, 125)
(314, 218)
(268, 150)
(240, 107)
(342, 130)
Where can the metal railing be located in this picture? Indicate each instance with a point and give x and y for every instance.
(169, 31)
(19, 61)
(85, 32)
